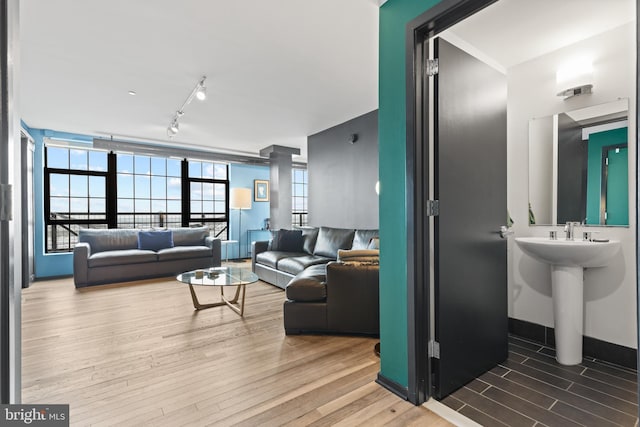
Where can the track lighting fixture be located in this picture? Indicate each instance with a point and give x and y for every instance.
(200, 92)
(174, 127)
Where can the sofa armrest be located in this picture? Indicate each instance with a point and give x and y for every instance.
(215, 245)
(353, 302)
(81, 254)
(257, 248)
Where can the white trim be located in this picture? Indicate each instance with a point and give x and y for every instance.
(449, 414)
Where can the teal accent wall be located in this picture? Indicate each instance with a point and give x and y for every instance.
(394, 16)
(242, 176)
(594, 170)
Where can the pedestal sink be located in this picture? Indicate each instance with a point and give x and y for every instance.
(568, 259)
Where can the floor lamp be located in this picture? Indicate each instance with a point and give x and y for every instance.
(240, 199)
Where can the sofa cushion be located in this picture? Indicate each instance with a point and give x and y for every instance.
(286, 240)
(102, 240)
(331, 239)
(295, 265)
(362, 238)
(309, 237)
(309, 285)
(125, 256)
(184, 252)
(374, 243)
(189, 236)
(271, 258)
(155, 240)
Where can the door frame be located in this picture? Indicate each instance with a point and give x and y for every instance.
(604, 176)
(417, 33)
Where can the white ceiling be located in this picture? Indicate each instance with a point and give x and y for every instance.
(531, 28)
(277, 71)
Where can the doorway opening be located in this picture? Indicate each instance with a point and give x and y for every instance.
(423, 180)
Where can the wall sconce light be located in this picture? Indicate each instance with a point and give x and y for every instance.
(575, 78)
(199, 92)
(353, 138)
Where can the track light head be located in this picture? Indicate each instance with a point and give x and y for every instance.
(201, 92)
(173, 128)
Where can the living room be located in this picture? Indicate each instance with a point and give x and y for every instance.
(145, 348)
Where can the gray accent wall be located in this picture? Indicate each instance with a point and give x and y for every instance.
(342, 175)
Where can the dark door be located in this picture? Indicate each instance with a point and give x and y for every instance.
(471, 185)
(617, 187)
(572, 171)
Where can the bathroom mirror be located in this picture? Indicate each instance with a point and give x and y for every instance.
(578, 166)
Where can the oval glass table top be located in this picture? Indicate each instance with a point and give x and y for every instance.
(218, 276)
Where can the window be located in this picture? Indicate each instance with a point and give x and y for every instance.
(207, 193)
(75, 195)
(149, 191)
(299, 183)
(87, 188)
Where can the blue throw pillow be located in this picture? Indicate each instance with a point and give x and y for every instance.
(155, 240)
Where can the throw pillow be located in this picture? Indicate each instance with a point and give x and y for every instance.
(155, 240)
(362, 238)
(374, 243)
(287, 240)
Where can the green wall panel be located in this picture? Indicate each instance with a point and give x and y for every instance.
(594, 171)
(394, 16)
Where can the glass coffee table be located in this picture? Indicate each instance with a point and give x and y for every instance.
(220, 277)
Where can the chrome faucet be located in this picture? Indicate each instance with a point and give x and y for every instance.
(569, 229)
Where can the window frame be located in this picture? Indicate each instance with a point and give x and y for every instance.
(301, 216)
(111, 214)
(66, 223)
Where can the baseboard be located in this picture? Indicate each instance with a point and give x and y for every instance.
(592, 347)
(393, 386)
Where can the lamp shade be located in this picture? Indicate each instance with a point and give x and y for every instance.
(240, 198)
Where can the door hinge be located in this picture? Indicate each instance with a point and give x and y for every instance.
(431, 67)
(6, 207)
(434, 349)
(433, 207)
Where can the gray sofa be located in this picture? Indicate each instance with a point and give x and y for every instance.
(113, 255)
(279, 264)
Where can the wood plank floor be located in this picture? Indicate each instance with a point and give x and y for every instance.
(138, 354)
(532, 389)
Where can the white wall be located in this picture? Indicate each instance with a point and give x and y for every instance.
(610, 292)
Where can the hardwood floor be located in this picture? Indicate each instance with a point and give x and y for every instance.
(138, 354)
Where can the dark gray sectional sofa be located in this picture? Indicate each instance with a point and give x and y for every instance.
(113, 255)
(330, 276)
(319, 246)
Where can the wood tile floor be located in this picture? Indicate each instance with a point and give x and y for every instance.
(532, 389)
(138, 354)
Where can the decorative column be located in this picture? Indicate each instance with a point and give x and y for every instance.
(280, 186)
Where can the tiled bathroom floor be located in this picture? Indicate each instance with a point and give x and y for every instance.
(531, 389)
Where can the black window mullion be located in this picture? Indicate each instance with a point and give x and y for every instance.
(186, 193)
(112, 190)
